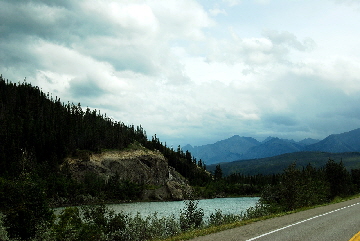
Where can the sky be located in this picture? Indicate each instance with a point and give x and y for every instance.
(194, 71)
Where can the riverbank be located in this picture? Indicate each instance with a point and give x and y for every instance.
(214, 229)
(103, 223)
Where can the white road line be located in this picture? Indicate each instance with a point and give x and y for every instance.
(303, 221)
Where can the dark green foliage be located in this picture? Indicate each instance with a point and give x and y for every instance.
(218, 172)
(339, 179)
(219, 218)
(259, 210)
(314, 188)
(192, 216)
(24, 204)
(308, 186)
(297, 188)
(236, 185)
(355, 178)
(101, 223)
(34, 123)
(69, 222)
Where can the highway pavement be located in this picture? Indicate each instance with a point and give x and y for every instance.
(338, 222)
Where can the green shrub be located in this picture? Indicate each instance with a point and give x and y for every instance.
(68, 225)
(191, 216)
(259, 210)
(3, 231)
(218, 218)
(101, 223)
(24, 204)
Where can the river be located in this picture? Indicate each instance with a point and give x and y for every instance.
(226, 205)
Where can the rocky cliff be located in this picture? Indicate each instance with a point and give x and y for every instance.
(141, 166)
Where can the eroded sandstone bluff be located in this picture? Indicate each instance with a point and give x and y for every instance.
(142, 166)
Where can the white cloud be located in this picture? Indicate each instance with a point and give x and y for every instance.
(341, 73)
(274, 48)
(193, 72)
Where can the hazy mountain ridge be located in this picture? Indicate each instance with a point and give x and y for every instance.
(276, 164)
(244, 148)
(344, 142)
(273, 147)
(226, 150)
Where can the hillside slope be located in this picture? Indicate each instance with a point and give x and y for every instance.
(38, 132)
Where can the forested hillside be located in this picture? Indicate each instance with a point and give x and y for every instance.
(39, 130)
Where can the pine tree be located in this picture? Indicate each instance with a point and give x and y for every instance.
(218, 172)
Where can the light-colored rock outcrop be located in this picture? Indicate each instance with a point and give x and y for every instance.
(142, 166)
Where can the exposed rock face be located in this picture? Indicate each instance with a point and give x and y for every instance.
(145, 167)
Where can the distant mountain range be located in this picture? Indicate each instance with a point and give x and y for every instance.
(245, 148)
(276, 164)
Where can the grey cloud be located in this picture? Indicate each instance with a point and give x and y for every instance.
(344, 107)
(317, 109)
(91, 33)
(278, 119)
(53, 21)
(34, 19)
(66, 24)
(61, 3)
(85, 87)
(287, 38)
(17, 56)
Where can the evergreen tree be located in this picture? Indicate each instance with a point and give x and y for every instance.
(218, 172)
(338, 178)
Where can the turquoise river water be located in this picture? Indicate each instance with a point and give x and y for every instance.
(226, 205)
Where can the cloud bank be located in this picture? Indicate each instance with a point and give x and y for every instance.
(194, 71)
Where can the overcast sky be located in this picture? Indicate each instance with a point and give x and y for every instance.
(194, 71)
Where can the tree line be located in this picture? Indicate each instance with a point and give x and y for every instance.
(308, 186)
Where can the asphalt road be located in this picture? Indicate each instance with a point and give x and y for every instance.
(340, 221)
